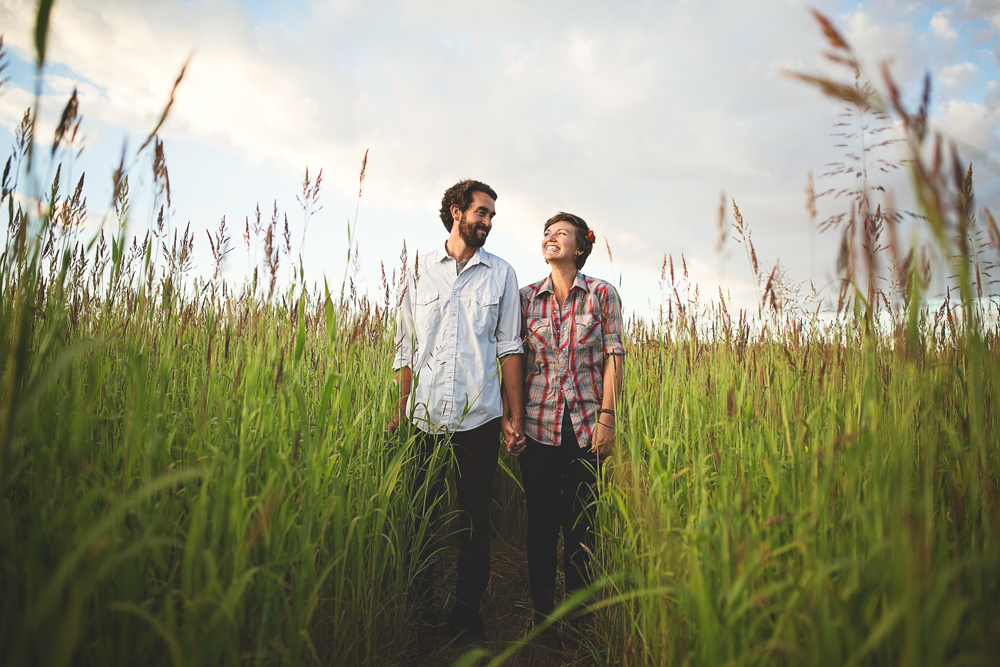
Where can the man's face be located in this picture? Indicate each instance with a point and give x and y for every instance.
(475, 223)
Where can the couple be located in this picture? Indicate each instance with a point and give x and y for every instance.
(553, 400)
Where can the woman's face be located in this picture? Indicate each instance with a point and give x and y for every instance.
(559, 243)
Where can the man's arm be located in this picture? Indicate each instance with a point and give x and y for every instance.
(402, 356)
(508, 430)
(404, 380)
(512, 392)
(509, 436)
(510, 353)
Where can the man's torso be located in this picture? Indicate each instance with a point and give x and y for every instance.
(455, 339)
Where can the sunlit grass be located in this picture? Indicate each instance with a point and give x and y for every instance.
(196, 473)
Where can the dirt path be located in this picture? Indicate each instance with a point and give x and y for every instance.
(506, 612)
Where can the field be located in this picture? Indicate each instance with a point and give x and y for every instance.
(195, 473)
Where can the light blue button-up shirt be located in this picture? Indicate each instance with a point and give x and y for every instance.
(450, 332)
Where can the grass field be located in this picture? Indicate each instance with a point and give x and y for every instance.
(196, 473)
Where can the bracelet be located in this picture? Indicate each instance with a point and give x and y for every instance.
(606, 411)
(605, 425)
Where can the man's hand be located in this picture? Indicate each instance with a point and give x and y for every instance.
(508, 431)
(604, 437)
(392, 425)
(403, 377)
(511, 391)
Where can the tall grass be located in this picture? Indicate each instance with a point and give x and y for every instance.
(199, 476)
(816, 502)
(196, 473)
(187, 475)
(806, 494)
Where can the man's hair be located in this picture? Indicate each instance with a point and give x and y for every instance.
(460, 195)
(582, 242)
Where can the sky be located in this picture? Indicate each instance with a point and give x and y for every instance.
(636, 116)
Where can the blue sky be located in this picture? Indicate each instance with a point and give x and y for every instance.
(636, 117)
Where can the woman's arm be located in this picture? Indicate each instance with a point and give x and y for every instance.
(604, 434)
(614, 356)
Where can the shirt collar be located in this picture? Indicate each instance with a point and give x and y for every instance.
(480, 256)
(579, 282)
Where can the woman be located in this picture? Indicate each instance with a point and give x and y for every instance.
(571, 324)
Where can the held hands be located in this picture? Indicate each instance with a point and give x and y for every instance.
(513, 434)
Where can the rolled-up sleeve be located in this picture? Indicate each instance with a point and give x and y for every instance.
(403, 344)
(508, 331)
(612, 321)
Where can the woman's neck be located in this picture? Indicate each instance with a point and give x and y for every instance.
(563, 277)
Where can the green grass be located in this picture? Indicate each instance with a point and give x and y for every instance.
(192, 474)
(205, 480)
(824, 503)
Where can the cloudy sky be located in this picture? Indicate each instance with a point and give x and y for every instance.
(636, 116)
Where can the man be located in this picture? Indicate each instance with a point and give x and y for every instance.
(461, 313)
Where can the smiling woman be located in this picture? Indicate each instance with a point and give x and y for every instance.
(573, 369)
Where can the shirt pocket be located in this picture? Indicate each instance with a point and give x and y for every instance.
(539, 334)
(426, 313)
(537, 341)
(486, 312)
(588, 331)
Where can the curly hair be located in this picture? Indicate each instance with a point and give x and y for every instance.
(460, 195)
(583, 241)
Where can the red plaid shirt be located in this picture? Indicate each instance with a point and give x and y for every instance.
(564, 355)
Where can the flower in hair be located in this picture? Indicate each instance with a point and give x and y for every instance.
(590, 235)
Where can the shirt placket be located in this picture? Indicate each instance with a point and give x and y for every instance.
(566, 394)
(452, 350)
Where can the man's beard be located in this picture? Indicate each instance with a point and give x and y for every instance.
(469, 233)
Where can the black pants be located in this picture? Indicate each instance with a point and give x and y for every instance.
(560, 487)
(475, 452)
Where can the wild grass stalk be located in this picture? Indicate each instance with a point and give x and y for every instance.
(189, 475)
(197, 473)
(816, 504)
(826, 498)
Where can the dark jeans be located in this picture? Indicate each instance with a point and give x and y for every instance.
(560, 487)
(475, 452)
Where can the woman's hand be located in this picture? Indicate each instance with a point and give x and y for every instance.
(604, 436)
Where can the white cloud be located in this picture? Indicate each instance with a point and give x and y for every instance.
(972, 123)
(14, 100)
(877, 40)
(992, 98)
(634, 116)
(957, 76)
(941, 25)
(988, 9)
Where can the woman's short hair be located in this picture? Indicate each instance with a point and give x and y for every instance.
(583, 241)
(460, 195)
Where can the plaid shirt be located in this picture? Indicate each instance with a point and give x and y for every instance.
(564, 355)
